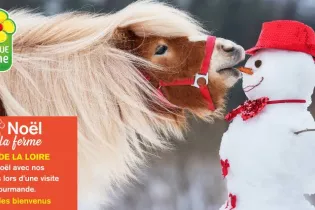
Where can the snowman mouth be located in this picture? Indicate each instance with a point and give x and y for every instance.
(251, 87)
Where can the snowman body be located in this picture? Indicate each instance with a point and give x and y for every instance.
(269, 164)
(266, 165)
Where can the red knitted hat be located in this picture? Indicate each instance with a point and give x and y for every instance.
(286, 35)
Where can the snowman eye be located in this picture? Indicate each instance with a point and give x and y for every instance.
(258, 63)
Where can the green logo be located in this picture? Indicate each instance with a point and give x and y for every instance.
(7, 29)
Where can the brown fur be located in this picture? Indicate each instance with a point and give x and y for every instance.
(184, 60)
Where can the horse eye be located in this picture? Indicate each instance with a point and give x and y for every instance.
(258, 63)
(161, 50)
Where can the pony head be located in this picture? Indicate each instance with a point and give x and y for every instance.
(176, 46)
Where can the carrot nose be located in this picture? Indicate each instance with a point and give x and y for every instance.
(246, 70)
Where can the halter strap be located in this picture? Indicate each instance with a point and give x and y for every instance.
(209, 51)
(203, 73)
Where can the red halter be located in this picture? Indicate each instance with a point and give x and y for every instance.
(204, 90)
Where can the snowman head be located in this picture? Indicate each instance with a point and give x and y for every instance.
(280, 74)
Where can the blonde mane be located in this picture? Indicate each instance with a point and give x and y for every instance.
(66, 65)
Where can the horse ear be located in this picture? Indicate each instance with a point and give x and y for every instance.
(125, 38)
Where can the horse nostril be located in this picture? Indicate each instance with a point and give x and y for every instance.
(228, 49)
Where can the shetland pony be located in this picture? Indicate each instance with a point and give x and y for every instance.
(105, 69)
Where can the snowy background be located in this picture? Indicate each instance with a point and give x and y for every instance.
(189, 177)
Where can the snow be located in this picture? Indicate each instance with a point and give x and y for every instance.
(287, 74)
(270, 166)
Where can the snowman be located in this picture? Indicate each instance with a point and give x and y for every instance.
(268, 151)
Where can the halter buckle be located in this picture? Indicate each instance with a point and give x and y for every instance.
(198, 76)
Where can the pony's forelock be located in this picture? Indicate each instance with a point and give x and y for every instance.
(160, 19)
